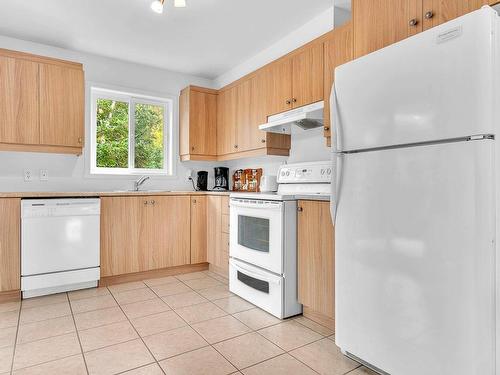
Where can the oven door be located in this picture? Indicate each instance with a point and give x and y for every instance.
(256, 233)
(257, 286)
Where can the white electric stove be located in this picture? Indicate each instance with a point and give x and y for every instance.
(263, 238)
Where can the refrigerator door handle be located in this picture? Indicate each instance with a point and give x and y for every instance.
(338, 166)
(335, 121)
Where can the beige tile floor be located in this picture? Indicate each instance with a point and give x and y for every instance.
(185, 325)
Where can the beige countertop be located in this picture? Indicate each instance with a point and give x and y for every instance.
(124, 193)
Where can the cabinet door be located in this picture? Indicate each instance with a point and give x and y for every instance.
(248, 134)
(169, 231)
(226, 121)
(307, 78)
(338, 51)
(275, 87)
(61, 106)
(10, 245)
(202, 123)
(198, 229)
(214, 228)
(316, 256)
(123, 224)
(436, 12)
(19, 101)
(379, 23)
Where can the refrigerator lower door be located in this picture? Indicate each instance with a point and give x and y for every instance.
(415, 259)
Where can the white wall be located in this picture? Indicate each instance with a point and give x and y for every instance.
(67, 172)
(309, 31)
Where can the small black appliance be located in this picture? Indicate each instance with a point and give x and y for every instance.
(202, 181)
(221, 178)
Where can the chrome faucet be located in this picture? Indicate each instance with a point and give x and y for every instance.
(139, 182)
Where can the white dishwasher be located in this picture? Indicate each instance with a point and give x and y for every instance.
(59, 245)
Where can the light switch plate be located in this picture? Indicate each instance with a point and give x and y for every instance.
(28, 175)
(44, 175)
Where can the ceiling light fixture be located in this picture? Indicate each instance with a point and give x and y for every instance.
(157, 5)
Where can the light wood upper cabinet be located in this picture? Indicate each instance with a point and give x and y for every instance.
(41, 104)
(19, 116)
(246, 130)
(307, 77)
(198, 123)
(379, 23)
(316, 257)
(226, 121)
(274, 88)
(61, 106)
(10, 245)
(338, 51)
(198, 229)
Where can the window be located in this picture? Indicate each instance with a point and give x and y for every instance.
(131, 134)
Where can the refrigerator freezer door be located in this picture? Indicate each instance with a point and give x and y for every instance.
(415, 258)
(433, 86)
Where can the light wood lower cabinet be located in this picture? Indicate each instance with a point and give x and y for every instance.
(316, 257)
(144, 233)
(10, 245)
(198, 229)
(217, 240)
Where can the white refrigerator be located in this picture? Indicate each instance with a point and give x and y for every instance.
(414, 202)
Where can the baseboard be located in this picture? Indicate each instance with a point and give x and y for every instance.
(10, 296)
(154, 274)
(319, 318)
(219, 271)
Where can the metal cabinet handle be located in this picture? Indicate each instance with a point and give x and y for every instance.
(145, 203)
(326, 128)
(80, 140)
(192, 148)
(194, 201)
(429, 15)
(300, 209)
(294, 100)
(235, 146)
(413, 22)
(153, 202)
(288, 101)
(263, 140)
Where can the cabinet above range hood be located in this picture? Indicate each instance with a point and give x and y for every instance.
(306, 117)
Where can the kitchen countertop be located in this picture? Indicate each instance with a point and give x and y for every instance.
(325, 198)
(118, 193)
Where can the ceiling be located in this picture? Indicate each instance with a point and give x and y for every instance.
(206, 39)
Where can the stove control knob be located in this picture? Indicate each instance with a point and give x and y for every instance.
(322, 172)
(329, 171)
(287, 173)
(282, 173)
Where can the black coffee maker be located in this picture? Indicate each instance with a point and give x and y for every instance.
(202, 181)
(221, 179)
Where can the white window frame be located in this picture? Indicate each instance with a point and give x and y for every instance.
(132, 99)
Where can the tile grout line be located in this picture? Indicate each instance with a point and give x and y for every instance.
(15, 340)
(137, 333)
(77, 333)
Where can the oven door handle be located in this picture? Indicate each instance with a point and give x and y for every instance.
(254, 274)
(267, 206)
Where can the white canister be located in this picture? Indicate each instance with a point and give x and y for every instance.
(268, 184)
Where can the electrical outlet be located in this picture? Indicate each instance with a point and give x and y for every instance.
(28, 175)
(44, 175)
(189, 174)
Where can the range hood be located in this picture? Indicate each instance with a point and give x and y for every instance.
(306, 117)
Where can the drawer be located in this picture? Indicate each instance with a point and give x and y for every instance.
(225, 205)
(225, 242)
(225, 224)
